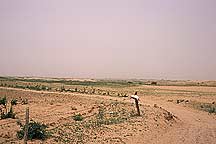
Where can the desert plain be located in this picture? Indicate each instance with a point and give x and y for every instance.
(101, 111)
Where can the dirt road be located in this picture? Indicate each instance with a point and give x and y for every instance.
(196, 127)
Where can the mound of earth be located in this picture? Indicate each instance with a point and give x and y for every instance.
(103, 120)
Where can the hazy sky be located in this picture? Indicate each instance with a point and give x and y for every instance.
(161, 39)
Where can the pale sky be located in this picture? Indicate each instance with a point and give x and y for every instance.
(159, 39)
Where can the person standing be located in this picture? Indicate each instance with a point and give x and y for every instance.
(135, 96)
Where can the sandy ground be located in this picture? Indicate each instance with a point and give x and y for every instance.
(189, 126)
(197, 127)
(185, 88)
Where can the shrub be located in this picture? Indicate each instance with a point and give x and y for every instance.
(75, 90)
(3, 101)
(36, 130)
(10, 114)
(25, 101)
(101, 113)
(14, 102)
(125, 95)
(78, 117)
(93, 91)
(62, 88)
(20, 86)
(154, 83)
(73, 108)
(111, 121)
(45, 88)
(179, 101)
(168, 116)
(211, 108)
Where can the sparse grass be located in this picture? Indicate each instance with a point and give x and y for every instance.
(3, 101)
(14, 102)
(179, 101)
(19, 86)
(31, 87)
(100, 114)
(5, 115)
(154, 83)
(109, 83)
(62, 89)
(73, 108)
(133, 113)
(24, 101)
(168, 116)
(112, 114)
(9, 114)
(81, 131)
(36, 130)
(78, 117)
(211, 108)
(121, 88)
(207, 107)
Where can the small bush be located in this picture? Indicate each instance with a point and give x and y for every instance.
(111, 121)
(211, 108)
(3, 101)
(101, 113)
(125, 95)
(43, 87)
(78, 117)
(75, 89)
(35, 131)
(179, 101)
(168, 116)
(62, 89)
(154, 83)
(25, 101)
(10, 114)
(73, 108)
(14, 102)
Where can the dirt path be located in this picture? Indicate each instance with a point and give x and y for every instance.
(196, 127)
